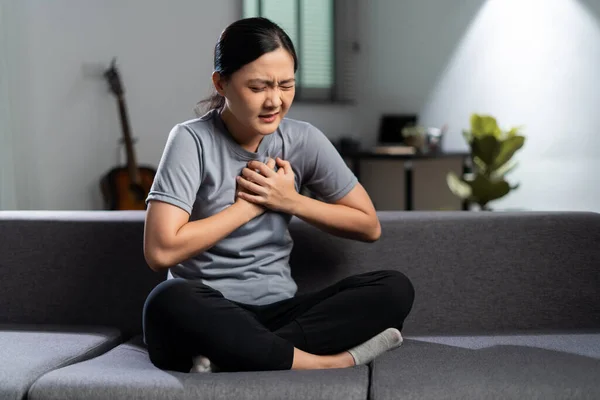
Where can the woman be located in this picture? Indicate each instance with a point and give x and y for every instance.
(226, 188)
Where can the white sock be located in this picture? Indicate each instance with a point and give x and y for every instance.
(377, 345)
(201, 364)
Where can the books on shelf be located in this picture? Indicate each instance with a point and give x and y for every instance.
(394, 150)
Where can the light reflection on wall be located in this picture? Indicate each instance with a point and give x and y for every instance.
(534, 63)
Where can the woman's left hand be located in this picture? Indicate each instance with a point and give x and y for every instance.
(274, 190)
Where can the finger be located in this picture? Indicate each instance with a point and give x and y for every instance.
(287, 167)
(251, 198)
(262, 168)
(254, 176)
(271, 163)
(253, 187)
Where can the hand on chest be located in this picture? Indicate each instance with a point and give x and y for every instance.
(219, 183)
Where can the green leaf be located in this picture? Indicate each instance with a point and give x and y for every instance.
(513, 132)
(508, 147)
(503, 170)
(458, 186)
(486, 148)
(498, 133)
(479, 164)
(482, 125)
(485, 190)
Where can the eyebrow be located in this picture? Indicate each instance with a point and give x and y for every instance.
(271, 83)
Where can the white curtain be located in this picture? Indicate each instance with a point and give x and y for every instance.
(8, 196)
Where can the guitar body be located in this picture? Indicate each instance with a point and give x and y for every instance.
(121, 193)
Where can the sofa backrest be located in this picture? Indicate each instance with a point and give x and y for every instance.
(473, 272)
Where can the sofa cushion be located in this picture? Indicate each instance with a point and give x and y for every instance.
(127, 373)
(519, 367)
(585, 344)
(27, 352)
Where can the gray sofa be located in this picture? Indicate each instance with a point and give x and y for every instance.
(507, 306)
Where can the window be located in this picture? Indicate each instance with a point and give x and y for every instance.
(326, 50)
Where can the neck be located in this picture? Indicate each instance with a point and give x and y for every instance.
(241, 134)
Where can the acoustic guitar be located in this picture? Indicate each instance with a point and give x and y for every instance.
(125, 187)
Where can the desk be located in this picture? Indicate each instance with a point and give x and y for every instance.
(407, 161)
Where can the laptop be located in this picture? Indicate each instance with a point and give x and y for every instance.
(390, 140)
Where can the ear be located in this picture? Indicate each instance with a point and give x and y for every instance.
(219, 83)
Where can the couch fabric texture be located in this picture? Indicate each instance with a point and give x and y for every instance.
(507, 306)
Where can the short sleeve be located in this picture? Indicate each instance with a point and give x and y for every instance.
(178, 175)
(325, 174)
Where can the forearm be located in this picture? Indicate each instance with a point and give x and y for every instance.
(198, 236)
(337, 219)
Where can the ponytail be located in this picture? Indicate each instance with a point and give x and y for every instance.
(215, 101)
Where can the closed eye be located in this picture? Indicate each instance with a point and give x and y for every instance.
(260, 89)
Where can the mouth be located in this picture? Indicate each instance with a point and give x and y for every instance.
(268, 117)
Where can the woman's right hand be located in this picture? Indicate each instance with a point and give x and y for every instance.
(255, 209)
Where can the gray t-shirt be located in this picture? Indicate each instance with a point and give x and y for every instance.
(197, 173)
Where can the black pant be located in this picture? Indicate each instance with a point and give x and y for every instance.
(183, 319)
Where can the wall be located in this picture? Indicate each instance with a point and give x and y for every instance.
(534, 63)
(7, 174)
(531, 63)
(66, 119)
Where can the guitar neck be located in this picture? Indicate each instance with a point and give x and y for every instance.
(131, 160)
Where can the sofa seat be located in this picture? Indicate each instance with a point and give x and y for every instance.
(126, 372)
(29, 351)
(557, 366)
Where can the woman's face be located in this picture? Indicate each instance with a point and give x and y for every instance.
(260, 93)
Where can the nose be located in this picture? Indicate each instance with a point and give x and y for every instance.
(273, 99)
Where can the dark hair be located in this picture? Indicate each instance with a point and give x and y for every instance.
(241, 43)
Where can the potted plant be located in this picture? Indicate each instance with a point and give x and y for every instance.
(491, 153)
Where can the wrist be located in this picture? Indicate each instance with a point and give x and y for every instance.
(295, 204)
(244, 210)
